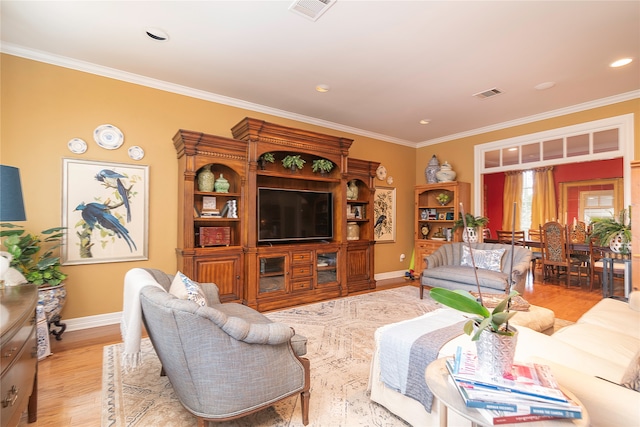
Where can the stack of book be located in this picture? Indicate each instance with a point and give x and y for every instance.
(530, 393)
(209, 209)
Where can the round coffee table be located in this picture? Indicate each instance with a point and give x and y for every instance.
(437, 378)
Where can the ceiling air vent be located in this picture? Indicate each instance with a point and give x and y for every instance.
(311, 9)
(488, 93)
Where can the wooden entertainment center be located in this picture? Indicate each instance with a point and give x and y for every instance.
(262, 274)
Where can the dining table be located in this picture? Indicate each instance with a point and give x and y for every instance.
(608, 257)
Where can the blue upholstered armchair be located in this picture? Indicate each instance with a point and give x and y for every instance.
(224, 361)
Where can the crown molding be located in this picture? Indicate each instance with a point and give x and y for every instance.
(62, 61)
(537, 117)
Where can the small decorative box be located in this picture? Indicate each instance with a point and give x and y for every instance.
(215, 236)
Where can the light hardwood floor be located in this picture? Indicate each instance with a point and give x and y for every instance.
(70, 380)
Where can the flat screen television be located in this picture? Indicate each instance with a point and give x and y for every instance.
(293, 215)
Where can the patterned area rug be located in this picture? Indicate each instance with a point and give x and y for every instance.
(340, 346)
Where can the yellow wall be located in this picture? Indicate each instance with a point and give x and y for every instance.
(459, 152)
(44, 106)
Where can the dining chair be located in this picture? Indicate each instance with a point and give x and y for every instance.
(505, 236)
(556, 253)
(486, 233)
(536, 252)
(596, 265)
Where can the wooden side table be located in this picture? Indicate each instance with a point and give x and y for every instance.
(445, 391)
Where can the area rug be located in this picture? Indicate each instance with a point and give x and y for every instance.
(340, 346)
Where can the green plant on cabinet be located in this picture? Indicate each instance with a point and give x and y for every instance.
(293, 162)
(322, 165)
(40, 269)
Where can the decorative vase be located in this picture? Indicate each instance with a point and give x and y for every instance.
(353, 231)
(470, 234)
(496, 353)
(352, 190)
(619, 244)
(221, 185)
(432, 168)
(52, 299)
(206, 179)
(445, 174)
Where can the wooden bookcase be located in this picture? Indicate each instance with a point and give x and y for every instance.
(222, 264)
(360, 243)
(433, 218)
(268, 276)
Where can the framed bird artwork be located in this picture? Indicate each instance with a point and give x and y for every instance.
(105, 211)
(384, 215)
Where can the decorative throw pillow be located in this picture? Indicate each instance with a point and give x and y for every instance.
(631, 377)
(184, 288)
(489, 259)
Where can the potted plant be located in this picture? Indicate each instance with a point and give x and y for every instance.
(322, 165)
(41, 269)
(293, 162)
(613, 232)
(266, 157)
(472, 224)
(489, 329)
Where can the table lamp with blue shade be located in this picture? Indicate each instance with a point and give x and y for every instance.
(11, 202)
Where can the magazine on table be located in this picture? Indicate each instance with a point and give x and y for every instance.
(532, 380)
(496, 417)
(512, 407)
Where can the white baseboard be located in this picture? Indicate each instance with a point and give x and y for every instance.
(92, 321)
(390, 275)
(87, 322)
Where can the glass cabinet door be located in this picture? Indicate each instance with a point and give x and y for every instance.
(272, 273)
(326, 267)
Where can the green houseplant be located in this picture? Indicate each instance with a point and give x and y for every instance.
(613, 232)
(471, 221)
(293, 162)
(264, 158)
(322, 165)
(41, 269)
(495, 321)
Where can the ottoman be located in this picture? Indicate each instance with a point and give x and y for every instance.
(537, 318)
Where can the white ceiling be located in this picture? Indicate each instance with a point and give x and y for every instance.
(389, 64)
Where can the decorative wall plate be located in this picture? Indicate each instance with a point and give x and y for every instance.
(77, 146)
(108, 137)
(136, 153)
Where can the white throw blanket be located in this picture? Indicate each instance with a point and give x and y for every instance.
(131, 324)
(397, 352)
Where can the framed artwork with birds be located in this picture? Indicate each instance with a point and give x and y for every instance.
(384, 215)
(105, 211)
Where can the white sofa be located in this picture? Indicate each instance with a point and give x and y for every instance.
(603, 343)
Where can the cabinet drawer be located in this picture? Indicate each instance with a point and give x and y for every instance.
(11, 348)
(300, 257)
(17, 383)
(300, 271)
(298, 285)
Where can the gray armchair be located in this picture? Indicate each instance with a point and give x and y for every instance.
(224, 361)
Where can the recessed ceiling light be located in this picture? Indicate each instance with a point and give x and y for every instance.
(545, 85)
(425, 121)
(621, 62)
(323, 88)
(156, 34)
